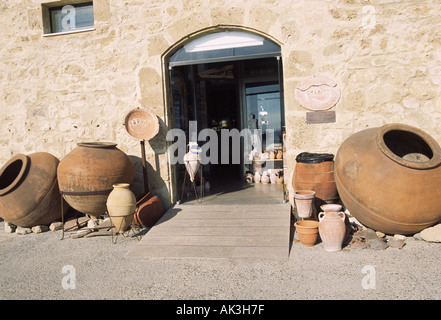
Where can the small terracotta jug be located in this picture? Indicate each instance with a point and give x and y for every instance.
(279, 154)
(332, 229)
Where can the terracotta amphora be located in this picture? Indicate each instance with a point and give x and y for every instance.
(332, 229)
(121, 206)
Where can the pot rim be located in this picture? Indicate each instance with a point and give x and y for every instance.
(310, 224)
(97, 144)
(304, 194)
(431, 142)
(25, 161)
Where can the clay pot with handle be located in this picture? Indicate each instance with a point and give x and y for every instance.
(332, 229)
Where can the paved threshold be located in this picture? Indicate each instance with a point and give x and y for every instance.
(219, 231)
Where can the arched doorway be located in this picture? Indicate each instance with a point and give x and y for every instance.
(226, 81)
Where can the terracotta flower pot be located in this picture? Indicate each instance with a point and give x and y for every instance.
(304, 200)
(307, 230)
(86, 175)
(29, 194)
(121, 205)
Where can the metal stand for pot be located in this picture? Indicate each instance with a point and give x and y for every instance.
(126, 233)
(198, 195)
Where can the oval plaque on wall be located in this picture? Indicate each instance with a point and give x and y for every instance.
(317, 93)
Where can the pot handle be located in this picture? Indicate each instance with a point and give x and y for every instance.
(343, 215)
(321, 216)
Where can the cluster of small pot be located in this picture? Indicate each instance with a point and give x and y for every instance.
(335, 227)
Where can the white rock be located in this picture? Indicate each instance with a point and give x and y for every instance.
(432, 234)
(40, 229)
(22, 231)
(92, 223)
(380, 234)
(9, 227)
(57, 225)
(399, 237)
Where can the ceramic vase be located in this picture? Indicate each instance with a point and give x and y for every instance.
(257, 177)
(192, 164)
(332, 230)
(273, 177)
(121, 206)
(265, 177)
(307, 231)
(279, 154)
(303, 200)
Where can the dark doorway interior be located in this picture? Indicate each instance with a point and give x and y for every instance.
(215, 95)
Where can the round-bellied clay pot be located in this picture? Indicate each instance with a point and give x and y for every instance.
(121, 206)
(332, 230)
(87, 174)
(29, 194)
(307, 230)
(304, 200)
(388, 178)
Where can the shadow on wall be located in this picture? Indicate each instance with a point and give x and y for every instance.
(155, 172)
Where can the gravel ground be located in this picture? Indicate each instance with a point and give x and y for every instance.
(31, 267)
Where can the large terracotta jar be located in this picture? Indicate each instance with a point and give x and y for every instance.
(315, 171)
(389, 178)
(87, 174)
(29, 194)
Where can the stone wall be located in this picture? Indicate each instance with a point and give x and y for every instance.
(385, 56)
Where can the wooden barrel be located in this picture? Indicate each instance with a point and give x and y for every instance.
(315, 171)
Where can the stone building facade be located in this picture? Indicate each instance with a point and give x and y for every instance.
(59, 89)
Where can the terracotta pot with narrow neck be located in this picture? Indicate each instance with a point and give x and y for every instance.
(121, 205)
(86, 175)
(332, 230)
(29, 194)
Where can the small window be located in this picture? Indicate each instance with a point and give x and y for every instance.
(71, 17)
